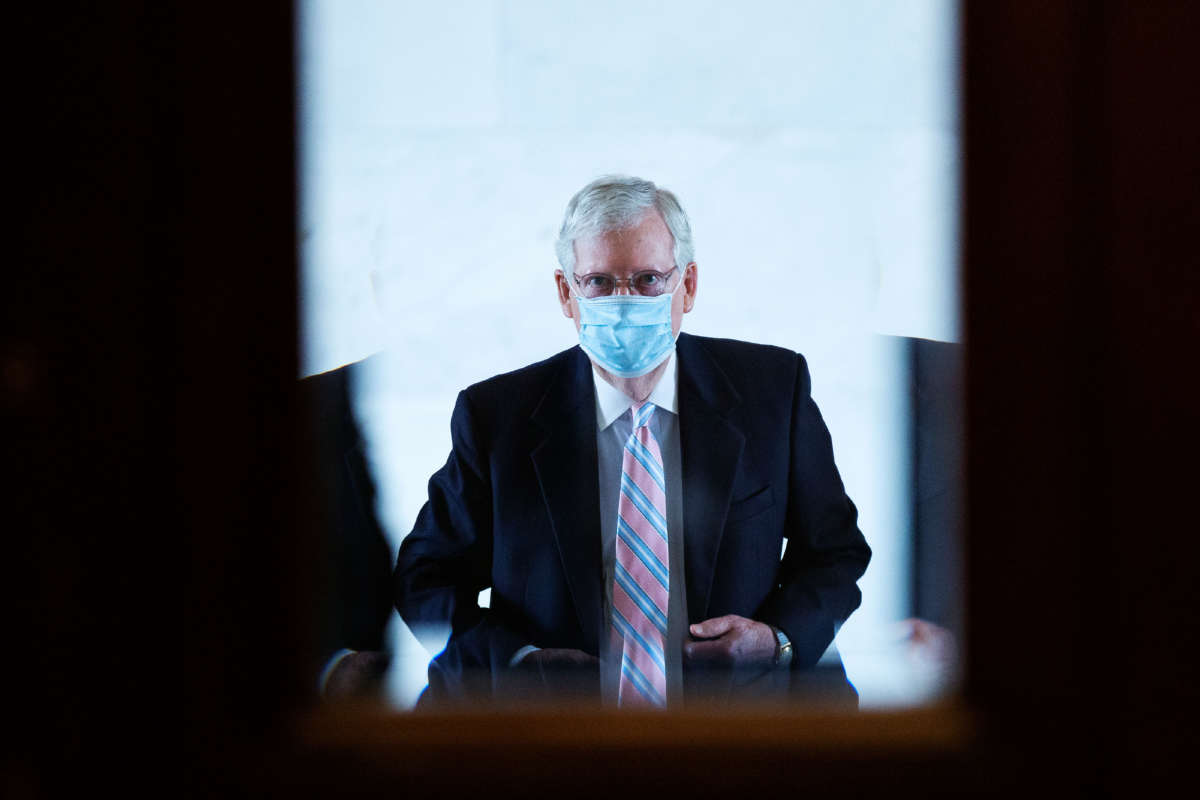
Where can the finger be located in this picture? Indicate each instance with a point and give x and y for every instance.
(715, 651)
(584, 659)
(716, 626)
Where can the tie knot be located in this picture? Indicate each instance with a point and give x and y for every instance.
(641, 414)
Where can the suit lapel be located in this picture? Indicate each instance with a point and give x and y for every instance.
(565, 462)
(711, 449)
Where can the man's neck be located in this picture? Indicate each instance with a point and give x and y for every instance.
(639, 388)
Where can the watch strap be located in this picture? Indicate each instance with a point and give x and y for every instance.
(783, 648)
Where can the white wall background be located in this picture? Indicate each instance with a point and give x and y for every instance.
(813, 144)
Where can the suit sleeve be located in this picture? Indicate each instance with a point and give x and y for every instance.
(356, 579)
(826, 553)
(446, 561)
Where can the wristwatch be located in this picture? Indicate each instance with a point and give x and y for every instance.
(783, 648)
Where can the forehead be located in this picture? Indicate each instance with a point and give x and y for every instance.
(646, 245)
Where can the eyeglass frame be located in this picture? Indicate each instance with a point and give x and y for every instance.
(628, 282)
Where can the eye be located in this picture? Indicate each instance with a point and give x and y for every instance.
(647, 280)
(597, 281)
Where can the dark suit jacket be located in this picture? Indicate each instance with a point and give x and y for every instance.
(356, 599)
(516, 508)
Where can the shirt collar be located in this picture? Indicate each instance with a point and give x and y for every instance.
(611, 403)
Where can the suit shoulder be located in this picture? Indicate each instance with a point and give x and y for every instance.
(520, 387)
(740, 356)
(762, 370)
(327, 398)
(340, 379)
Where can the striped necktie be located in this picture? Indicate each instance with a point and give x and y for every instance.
(641, 579)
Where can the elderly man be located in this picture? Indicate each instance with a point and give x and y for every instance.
(627, 500)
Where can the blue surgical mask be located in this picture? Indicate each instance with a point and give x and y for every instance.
(628, 335)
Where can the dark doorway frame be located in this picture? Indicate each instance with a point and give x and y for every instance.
(165, 544)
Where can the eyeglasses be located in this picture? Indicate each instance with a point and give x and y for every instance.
(647, 283)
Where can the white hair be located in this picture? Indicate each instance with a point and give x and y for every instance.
(615, 202)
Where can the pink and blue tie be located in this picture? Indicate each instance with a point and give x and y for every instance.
(641, 580)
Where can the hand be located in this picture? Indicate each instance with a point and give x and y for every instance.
(928, 643)
(357, 675)
(555, 675)
(558, 658)
(732, 641)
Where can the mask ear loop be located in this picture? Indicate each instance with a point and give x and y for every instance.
(682, 278)
(571, 285)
